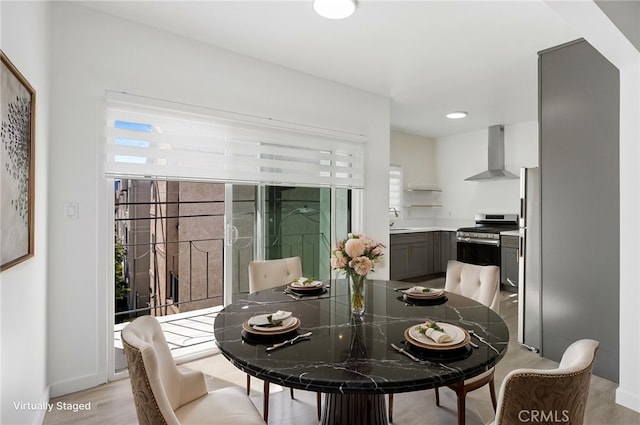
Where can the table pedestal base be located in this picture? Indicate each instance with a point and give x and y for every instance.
(354, 409)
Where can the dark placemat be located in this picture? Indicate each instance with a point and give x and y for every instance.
(413, 301)
(440, 356)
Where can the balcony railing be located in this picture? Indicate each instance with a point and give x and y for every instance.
(170, 277)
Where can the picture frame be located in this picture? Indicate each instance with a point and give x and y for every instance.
(17, 165)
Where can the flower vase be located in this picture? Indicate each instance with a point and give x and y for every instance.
(357, 292)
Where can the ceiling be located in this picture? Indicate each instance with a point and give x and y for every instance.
(428, 57)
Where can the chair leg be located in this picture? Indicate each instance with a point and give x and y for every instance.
(461, 394)
(492, 390)
(461, 409)
(291, 393)
(248, 384)
(265, 402)
(319, 404)
(390, 407)
(437, 396)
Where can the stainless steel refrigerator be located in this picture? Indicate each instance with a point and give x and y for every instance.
(529, 268)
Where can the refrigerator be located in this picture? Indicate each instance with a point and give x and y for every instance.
(529, 266)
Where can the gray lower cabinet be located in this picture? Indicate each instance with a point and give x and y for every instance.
(448, 250)
(509, 263)
(420, 253)
(411, 255)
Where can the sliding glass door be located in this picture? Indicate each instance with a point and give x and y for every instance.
(182, 249)
(272, 222)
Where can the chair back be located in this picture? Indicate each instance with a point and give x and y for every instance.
(154, 376)
(270, 273)
(481, 283)
(549, 396)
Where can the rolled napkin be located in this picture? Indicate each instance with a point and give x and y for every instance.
(435, 332)
(277, 317)
(274, 319)
(304, 281)
(437, 336)
(419, 290)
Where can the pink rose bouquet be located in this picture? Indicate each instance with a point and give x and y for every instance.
(357, 254)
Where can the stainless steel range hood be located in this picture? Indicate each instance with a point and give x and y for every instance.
(496, 169)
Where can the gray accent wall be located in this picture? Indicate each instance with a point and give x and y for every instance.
(579, 169)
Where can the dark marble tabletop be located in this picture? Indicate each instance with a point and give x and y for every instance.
(353, 355)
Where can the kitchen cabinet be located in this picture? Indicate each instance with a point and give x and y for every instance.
(420, 253)
(509, 263)
(411, 255)
(444, 249)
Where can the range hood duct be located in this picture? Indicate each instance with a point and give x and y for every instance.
(496, 169)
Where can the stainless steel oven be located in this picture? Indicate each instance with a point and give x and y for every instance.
(481, 244)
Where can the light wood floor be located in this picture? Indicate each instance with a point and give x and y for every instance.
(112, 404)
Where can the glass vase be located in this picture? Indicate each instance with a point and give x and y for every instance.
(357, 292)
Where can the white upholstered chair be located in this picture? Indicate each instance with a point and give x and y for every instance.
(269, 274)
(559, 394)
(482, 284)
(163, 394)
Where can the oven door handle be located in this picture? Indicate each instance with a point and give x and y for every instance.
(493, 242)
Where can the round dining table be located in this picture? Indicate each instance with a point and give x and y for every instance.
(350, 357)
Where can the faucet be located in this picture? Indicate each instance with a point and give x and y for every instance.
(395, 212)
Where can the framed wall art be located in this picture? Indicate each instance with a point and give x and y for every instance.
(17, 108)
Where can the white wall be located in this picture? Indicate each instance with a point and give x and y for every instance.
(25, 34)
(463, 155)
(416, 154)
(93, 52)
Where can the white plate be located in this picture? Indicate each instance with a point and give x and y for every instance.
(289, 325)
(434, 293)
(456, 333)
(299, 285)
(263, 321)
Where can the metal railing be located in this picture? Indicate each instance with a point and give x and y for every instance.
(171, 277)
(174, 277)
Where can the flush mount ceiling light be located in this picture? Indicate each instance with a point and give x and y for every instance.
(334, 9)
(456, 115)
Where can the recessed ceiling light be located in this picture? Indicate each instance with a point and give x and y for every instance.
(334, 9)
(456, 115)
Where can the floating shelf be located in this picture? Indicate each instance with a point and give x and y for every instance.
(412, 187)
(422, 206)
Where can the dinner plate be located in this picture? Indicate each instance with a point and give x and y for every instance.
(313, 286)
(435, 293)
(459, 337)
(288, 325)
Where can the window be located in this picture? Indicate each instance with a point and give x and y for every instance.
(395, 187)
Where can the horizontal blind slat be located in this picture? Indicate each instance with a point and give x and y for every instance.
(143, 140)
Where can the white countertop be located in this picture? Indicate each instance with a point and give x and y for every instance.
(401, 229)
(510, 233)
(438, 228)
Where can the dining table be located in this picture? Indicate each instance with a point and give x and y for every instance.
(351, 358)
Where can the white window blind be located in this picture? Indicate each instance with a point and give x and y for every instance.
(148, 138)
(395, 187)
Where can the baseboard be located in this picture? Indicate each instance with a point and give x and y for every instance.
(39, 419)
(627, 399)
(77, 384)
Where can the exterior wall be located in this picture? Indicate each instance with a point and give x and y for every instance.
(201, 263)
